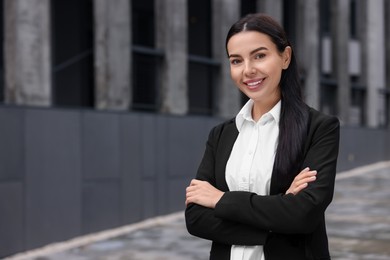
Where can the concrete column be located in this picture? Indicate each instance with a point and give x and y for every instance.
(112, 54)
(387, 39)
(228, 97)
(340, 67)
(311, 52)
(273, 8)
(374, 49)
(27, 52)
(171, 29)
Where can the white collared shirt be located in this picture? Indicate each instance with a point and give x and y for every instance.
(251, 161)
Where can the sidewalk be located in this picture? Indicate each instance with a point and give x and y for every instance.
(358, 219)
(358, 225)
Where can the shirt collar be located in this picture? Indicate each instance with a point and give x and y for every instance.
(245, 114)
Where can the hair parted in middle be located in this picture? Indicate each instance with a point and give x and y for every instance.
(294, 116)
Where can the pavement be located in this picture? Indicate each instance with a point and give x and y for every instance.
(358, 223)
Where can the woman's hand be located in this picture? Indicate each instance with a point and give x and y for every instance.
(301, 181)
(203, 193)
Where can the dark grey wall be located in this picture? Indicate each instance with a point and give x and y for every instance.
(360, 146)
(64, 173)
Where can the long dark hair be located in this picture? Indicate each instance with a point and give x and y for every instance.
(294, 115)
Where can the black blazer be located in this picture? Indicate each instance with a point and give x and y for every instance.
(290, 227)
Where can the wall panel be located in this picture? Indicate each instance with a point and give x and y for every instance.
(53, 171)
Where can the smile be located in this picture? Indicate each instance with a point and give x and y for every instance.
(252, 84)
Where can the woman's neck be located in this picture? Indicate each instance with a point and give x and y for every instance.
(260, 108)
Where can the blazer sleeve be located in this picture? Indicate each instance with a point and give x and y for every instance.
(288, 213)
(202, 222)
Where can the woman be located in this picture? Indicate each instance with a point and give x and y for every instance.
(266, 176)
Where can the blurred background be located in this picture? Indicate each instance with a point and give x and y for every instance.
(106, 105)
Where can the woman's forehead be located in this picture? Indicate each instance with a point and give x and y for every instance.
(249, 40)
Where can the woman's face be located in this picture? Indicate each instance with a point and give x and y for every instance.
(256, 65)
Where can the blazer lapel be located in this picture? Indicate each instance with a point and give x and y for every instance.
(225, 145)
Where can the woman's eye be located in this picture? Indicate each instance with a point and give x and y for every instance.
(260, 56)
(235, 61)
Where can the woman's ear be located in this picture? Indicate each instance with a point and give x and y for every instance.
(286, 55)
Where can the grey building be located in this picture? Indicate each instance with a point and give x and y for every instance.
(106, 104)
(168, 56)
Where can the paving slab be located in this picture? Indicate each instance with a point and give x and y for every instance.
(358, 220)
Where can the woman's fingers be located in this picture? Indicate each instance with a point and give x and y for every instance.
(301, 181)
(297, 189)
(194, 191)
(202, 193)
(305, 178)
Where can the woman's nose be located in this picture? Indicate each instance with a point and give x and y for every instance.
(249, 69)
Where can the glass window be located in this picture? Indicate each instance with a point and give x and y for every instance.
(325, 14)
(72, 53)
(358, 105)
(143, 22)
(1, 52)
(201, 65)
(248, 7)
(146, 58)
(328, 95)
(353, 19)
(290, 20)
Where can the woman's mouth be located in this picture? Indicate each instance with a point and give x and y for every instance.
(253, 84)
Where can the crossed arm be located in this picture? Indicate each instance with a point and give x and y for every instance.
(206, 195)
(244, 218)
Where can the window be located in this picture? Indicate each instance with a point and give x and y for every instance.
(353, 19)
(358, 103)
(325, 15)
(72, 53)
(328, 84)
(248, 7)
(386, 93)
(290, 20)
(146, 58)
(328, 95)
(1, 52)
(201, 65)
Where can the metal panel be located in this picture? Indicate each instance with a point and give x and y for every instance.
(186, 143)
(11, 143)
(53, 170)
(101, 205)
(149, 142)
(11, 220)
(177, 194)
(100, 140)
(162, 175)
(360, 146)
(131, 167)
(149, 199)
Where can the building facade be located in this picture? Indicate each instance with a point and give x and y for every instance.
(105, 105)
(169, 56)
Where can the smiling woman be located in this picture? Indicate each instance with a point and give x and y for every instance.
(256, 70)
(267, 176)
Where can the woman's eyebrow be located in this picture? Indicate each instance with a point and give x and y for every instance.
(258, 49)
(234, 55)
(252, 52)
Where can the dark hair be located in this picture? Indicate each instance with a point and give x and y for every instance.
(294, 115)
